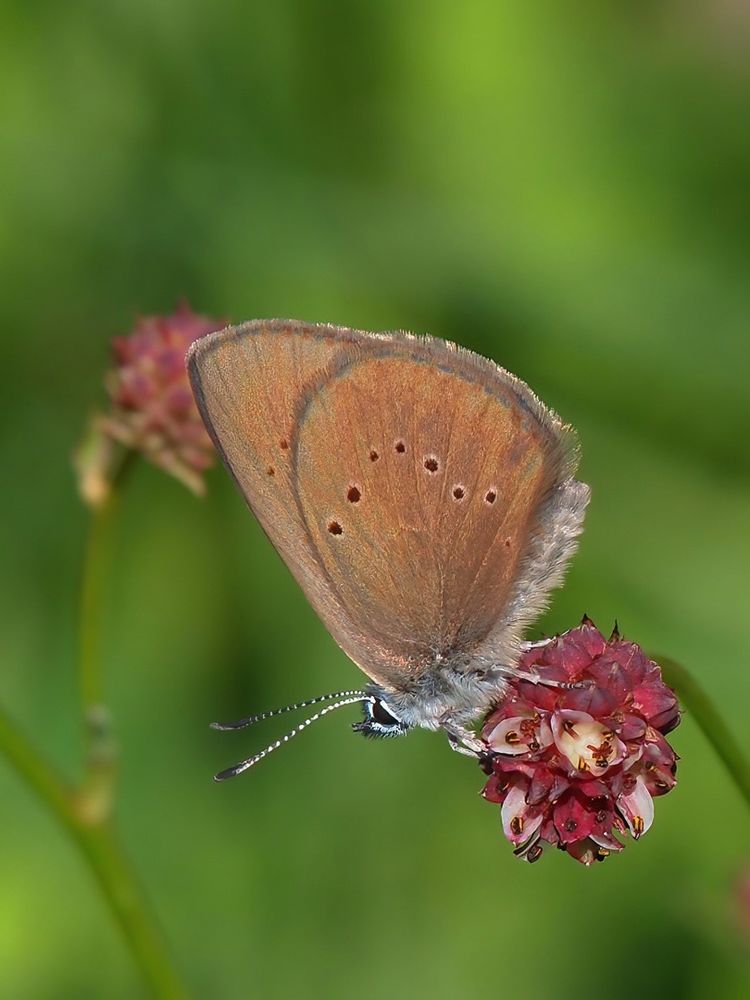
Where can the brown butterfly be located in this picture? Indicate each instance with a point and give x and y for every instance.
(423, 498)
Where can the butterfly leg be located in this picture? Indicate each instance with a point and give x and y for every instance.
(465, 742)
(534, 678)
(515, 673)
(456, 745)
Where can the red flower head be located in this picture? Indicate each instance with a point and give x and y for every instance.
(153, 410)
(580, 755)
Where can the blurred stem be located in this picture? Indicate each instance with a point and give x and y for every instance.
(99, 845)
(100, 755)
(85, 811)
(705, 713)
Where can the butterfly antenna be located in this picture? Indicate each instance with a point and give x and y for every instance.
(245, 765)
(252, 719)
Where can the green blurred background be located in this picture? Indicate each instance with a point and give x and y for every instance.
(562, 186)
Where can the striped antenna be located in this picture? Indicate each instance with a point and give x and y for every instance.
(245, 765)
(252, 719)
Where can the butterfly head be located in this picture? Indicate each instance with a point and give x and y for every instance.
(380, 719)
(439, 703)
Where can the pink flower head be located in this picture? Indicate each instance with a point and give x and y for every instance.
(578, 755)
(153, 410)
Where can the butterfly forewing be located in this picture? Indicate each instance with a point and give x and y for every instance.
(251, 383)
(400, 479)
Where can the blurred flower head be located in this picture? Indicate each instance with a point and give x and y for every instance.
(578, 756)
(152, 408)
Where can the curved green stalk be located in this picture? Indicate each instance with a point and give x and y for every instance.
(85, 811)
(705, 713)
(100, 762)
(99, 846)
(96, 563)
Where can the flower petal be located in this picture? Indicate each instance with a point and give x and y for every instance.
(496, 788)
(588, 745)
(637, 808)
(632, 727)
(519, 821)
(656, 703)
(541, 785)
(507, 737)
(573, 821)
(520, 735)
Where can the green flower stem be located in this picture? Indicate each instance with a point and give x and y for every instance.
(85, 811)
(100, 749)
(96, 563)
(705, 713)
(99, 845)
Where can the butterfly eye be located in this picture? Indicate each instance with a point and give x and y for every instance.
(381, 715)
(380, 721)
